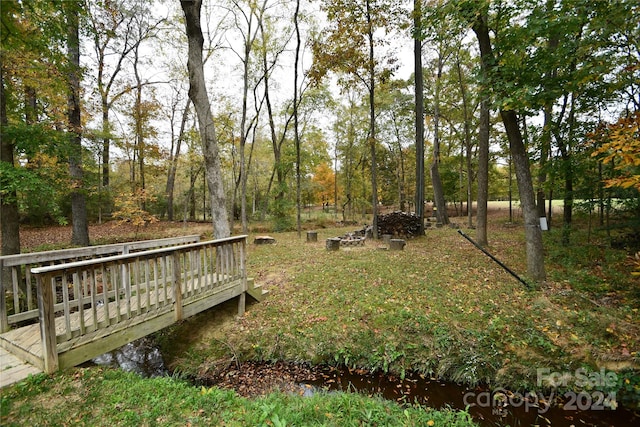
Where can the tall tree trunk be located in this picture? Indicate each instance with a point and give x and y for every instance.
(483, 171)
(566, 151)
(533, 234)
(400, 173)
(545, 149)
(173, 167)
(80, 228)
(467, 143)
(9, 213)
(372, 124)
(200, 99)
(419, 110)
(436, 181)
(296, 130)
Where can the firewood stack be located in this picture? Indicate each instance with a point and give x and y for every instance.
(399, 224)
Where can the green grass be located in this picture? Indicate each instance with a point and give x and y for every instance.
(111, 397)
(439, 307)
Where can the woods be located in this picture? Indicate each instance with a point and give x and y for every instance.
(255, 111)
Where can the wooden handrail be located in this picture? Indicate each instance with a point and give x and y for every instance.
(84, 300)
(16, 269)
(90, 251)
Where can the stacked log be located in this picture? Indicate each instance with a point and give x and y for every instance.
(399, 224)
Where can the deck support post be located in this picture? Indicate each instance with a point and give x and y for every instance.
(177, 286)
(243, 277)
(47, 324)
(4, 316)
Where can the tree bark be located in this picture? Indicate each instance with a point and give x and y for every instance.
(533, 234)
(296, 130)
(467, 143)
(173, 167)
(80, 227)
(200, 99)
(372, 125)
(436, 181)
(419, 110)
(483, 172)
(9, 213)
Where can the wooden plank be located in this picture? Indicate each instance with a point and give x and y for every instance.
(21, 344)
(47, 325)
(189, 287)
(4, 315)
(59, 255)
(151, 252)
(177, 288)
(14, 370)
(212, 300)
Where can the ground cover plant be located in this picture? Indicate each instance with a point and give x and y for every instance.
(97, 396)
(439, 307)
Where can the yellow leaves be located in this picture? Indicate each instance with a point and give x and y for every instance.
(620, 145)
(129, 208)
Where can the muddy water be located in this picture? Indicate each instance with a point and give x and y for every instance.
(488, 407)
(141, 356)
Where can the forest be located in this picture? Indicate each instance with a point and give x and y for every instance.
(348, 105)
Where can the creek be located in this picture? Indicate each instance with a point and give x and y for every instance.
(489, 407)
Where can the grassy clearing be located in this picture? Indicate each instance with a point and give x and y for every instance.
(439, 307)
(111, 397)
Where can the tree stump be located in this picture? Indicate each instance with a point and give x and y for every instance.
(312, 236)
(397, 244)
(263, 240)
(333, 243)
(386, 238)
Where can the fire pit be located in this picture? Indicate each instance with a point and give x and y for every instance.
(348, 240)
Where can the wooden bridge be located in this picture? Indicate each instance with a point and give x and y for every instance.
(63, 308)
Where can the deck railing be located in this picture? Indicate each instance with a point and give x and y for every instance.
(17, 287)
(80, 302)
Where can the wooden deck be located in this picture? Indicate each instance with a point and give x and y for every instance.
(90, 307)
(14, 370)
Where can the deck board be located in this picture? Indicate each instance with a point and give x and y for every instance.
(14, 370)
(26, 341)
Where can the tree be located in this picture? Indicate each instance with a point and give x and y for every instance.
(533, 234)
(436, 180)
(296, 122)
(109, 22)
(200, 99)
(620, 146)
(9, 213)
(80, 229)
(349, 48)
(247, 21)
(419, 109)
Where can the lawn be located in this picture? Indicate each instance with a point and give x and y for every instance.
(440, 308)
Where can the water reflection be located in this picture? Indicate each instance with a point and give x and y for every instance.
(141, 356)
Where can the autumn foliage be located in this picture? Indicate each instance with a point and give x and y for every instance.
(129, 208)
(620, 145)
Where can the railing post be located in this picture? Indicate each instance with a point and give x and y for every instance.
(47, 323)
(177, 285)
(126, 282)
(243, 278)
(4, 316)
